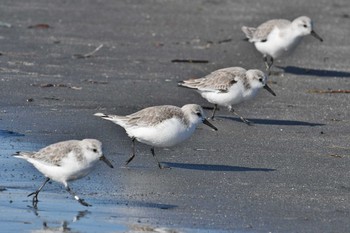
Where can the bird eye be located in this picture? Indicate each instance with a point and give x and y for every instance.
(94, 150)
(260, 79)
(305, 26)
(199, 114)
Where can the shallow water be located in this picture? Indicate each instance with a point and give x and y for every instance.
(51, 215)
(57, 211)
(55, 214)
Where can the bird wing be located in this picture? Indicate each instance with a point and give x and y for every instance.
(262, 32)
(219, 80)
(153, 116)
(54, 153)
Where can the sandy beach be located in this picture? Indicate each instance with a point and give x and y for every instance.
(289, 172)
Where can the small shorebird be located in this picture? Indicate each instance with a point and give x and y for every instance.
(229, 86)
(65, 161)
(160, 126)
(277, 37)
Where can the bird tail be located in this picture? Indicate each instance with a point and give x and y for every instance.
(119, 120)
(22, 154)
(100, 114)
(187, 84)
(17, 154)
(249, 32)
(181, 84)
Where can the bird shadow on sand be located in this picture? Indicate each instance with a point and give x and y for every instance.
(149, 205)
(6, 133)
(256, 121)
(314, 72)
(214, 167)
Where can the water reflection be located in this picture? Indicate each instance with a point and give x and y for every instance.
(57, 225)
(150, 229)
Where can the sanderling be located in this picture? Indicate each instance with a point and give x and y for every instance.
(279, 36)
(160, 126)
(65, 161)
(229, 86)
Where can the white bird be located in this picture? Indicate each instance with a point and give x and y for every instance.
(277, 37)
(65, 161)
(229, 86)
(160, 126)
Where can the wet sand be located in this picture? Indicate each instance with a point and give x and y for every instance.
(287, 173)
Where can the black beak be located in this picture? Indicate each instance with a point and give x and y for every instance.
(269, 90)
(205, 121)
(314, 34)
(104, 159)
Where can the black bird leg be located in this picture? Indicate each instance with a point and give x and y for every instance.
(81, 201)
(268, 63)
(35, 198)
(242, 118)
(214, 110)
(154, 156)
(133, 151)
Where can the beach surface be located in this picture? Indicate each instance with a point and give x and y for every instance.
(289, 172)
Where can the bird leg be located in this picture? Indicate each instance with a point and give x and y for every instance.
(242, 118)
(154, 156)
(214, 110)
(81, 201)
(35, 198)
(133, 151)
(268, 63)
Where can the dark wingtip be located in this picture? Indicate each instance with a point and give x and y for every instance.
(181, 84)
(16, 153)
